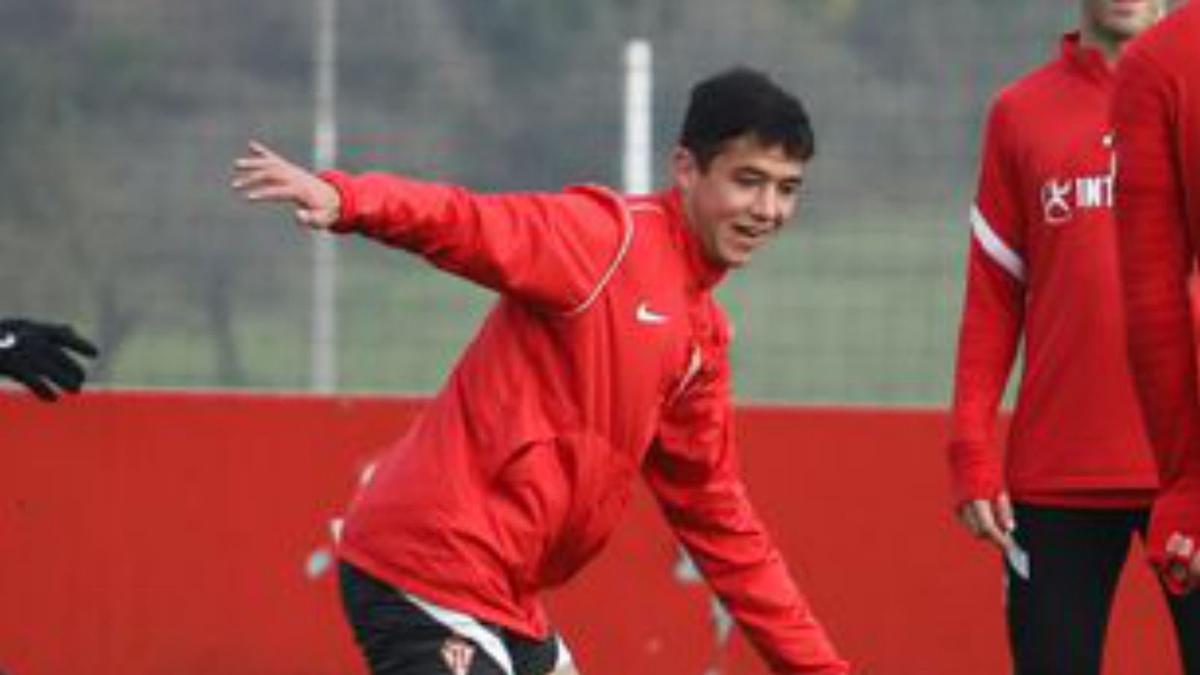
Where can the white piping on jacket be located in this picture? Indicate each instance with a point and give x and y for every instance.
(612, 267)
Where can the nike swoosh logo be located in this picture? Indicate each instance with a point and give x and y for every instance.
(645, 315)
(8, 341)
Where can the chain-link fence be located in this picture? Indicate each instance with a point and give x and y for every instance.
(119, 120)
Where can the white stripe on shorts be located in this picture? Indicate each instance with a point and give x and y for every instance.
(564, 655)
(468, 627)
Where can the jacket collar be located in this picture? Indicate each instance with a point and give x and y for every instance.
(706, 273)
(1087, 60)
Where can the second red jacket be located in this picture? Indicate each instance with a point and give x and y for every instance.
(1043, 264)
(1157, 115)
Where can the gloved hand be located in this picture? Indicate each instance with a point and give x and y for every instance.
(39, 355)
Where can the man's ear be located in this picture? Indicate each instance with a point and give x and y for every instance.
(684, 168)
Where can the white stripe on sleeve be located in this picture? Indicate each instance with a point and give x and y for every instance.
(995, 247)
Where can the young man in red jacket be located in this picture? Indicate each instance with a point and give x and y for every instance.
(1077, 478)
(1157, 119)
(604, 357)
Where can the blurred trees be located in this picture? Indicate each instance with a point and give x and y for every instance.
(114, 164)
(118, 119)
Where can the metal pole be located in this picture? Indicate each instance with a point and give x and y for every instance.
(638, 151)
(323, 366)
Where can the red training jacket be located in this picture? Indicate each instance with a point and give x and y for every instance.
(1157, 117)
(1043, 262)
(605, 356)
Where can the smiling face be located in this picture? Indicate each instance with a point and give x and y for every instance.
(1116, 21)
(745, 194)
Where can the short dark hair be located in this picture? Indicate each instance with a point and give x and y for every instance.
(742, 101)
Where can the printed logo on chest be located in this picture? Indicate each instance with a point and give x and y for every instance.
(1063, 197)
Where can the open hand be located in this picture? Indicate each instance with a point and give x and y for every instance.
(262, 175)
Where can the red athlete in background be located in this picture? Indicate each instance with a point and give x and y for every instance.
(1157, 119)
(1077, 477)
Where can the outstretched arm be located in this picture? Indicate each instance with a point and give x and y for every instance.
(555, 250)
(714, 520)
(693, 473)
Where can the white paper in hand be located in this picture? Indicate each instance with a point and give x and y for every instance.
(1018, 559)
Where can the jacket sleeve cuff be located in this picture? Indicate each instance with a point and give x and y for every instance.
(348, 211)
(974, 473)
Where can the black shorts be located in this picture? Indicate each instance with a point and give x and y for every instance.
(400, 634)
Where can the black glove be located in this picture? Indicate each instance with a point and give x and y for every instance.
(38, 355)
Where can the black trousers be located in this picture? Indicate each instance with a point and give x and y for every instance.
(1057, 616)
(399, 635)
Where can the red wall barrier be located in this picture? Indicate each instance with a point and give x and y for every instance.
(156, 533)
